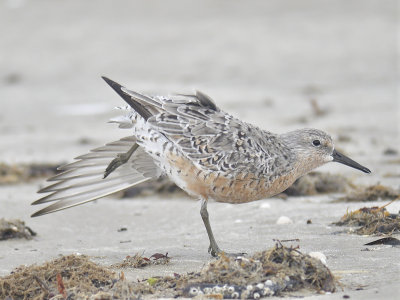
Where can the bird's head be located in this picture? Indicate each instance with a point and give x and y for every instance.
(314, 148)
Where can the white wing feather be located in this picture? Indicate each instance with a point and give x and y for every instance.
(83, 180)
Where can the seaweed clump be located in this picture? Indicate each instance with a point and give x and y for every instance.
(140, 261)
(12, 174)
(162, 185)
(271, 272)
(371, 221)
(14, 229)
(371, 193)
(319, 183)
(72, 276)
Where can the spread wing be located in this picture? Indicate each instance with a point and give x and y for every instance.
(86, 179)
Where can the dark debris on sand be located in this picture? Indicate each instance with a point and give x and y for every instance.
(319, 183)
(140, 261)
(316, 183)
(384, 241)
(370, 193)
(371, 221)
(160, 185)
(78, 277)
(11, 174)
(272, 272)
(14, 229)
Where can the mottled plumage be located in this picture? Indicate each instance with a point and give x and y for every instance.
(204, 150)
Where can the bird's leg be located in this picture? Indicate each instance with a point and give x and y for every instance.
(213, 249)
(120, 160)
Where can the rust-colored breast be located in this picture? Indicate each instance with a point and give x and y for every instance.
(236, 188)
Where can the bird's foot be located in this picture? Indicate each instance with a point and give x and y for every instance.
(217, 252)
(214, 250)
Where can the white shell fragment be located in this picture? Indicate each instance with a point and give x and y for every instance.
(284, 220)
(318, 255)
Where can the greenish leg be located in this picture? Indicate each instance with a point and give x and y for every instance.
(213, 249)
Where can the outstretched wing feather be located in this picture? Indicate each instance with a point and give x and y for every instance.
(82, 181)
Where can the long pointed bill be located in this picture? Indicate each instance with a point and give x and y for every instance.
(343, 159)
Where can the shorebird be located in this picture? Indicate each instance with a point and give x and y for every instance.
(207, 152)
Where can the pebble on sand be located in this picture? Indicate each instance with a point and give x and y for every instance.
(284, 220)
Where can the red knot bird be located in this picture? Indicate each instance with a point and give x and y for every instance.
(204, 150)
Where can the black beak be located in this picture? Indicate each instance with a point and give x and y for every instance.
(343, 159)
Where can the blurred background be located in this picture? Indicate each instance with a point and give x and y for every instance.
(279, 64)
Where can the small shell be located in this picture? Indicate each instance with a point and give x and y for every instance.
(193, 291)
(267, 292)
(217, 290)
(283, 220)
(269, 283)
(318, 255)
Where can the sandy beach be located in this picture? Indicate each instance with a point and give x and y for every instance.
(281, 65)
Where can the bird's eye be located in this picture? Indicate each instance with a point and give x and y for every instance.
(316, 143)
